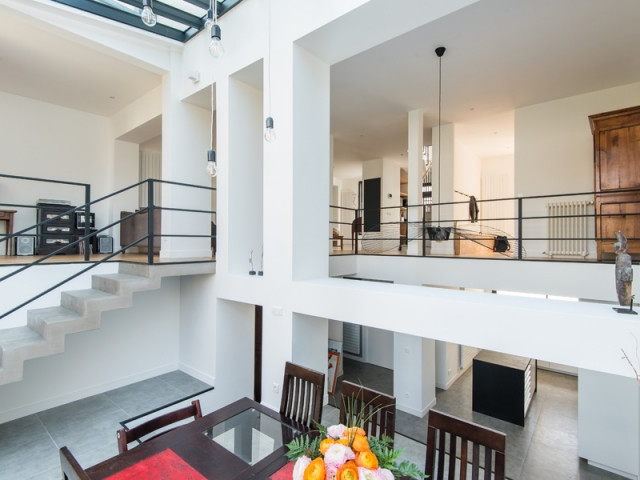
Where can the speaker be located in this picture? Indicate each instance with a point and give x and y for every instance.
(25, 245)
(105, 244)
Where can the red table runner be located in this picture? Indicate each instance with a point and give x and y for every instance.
(285, 473)
(166, 465)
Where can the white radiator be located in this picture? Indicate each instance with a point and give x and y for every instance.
(568, 227)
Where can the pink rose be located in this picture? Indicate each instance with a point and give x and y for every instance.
(338, 454)
(330, 471)
(336, 431)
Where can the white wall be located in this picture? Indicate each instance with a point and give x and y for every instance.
(132, 344)
(23, 286)
(51, 142)
(554, 149)
(608, 433)
(197, 327)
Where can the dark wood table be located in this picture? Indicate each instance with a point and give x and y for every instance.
(245, 426)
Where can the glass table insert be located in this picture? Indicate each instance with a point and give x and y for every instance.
(251, 435)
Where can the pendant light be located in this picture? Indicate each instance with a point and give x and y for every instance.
(216, 49)
(269, 132)
(208, 24)
(440, 233)
(212, 166)
(147, 15)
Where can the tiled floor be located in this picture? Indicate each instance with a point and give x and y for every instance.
(546, 448)
(29, 446)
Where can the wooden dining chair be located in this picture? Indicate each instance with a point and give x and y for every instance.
(302, 394)
(125, 437)
(450, 439)
(374, 411)
(71, 469)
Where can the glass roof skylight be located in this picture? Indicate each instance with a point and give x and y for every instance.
(177, 19)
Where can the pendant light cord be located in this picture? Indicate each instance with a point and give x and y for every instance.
(269, 60)
(439, 132)
(211, 124)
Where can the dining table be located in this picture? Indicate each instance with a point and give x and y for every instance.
(243, 440)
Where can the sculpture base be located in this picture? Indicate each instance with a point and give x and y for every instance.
(626, 310)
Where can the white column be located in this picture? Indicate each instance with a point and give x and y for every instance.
(185, 139)
(416, 171)
(311, 158)
(414, 373)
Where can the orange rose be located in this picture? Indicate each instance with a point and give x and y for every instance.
(325, 444)
(348, 471)
(360, 444)
(367, 459)
(343, 441)
(315, 470)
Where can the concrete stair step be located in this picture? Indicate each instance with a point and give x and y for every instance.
(122, 283)
(92, 301)
(80, 310)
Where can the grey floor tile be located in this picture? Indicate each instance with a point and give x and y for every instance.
(183, 382)
(143, 396)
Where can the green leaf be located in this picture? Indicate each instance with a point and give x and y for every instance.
(303, 445)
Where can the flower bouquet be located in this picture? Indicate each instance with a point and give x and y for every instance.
(345, 453)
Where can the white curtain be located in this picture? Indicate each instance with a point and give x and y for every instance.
(150, 167)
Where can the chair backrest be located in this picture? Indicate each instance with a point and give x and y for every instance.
(487, 449)
(71, 469)
(375, 412)
(136, 433)
(302, 394)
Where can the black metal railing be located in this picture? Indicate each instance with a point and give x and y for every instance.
(575, 220)
(85, 241)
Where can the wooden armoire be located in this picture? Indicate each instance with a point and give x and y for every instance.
(616, 149)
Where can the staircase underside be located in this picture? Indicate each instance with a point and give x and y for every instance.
(80, 310)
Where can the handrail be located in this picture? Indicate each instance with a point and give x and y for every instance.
(516, 225)
(90, 233)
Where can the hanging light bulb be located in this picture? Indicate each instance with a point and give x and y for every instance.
(208, 24)
(269, 133)
(212, 167)
(215, 47)
(148, 17)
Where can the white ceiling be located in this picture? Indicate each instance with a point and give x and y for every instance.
(501, 55)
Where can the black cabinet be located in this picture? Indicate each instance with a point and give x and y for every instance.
(58, 232)
(503, 385)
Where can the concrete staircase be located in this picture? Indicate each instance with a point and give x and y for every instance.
(80, 310)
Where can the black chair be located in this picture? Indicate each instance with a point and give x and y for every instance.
(463, 436)
(374, 411)
(302, 394)
(125, 437)
(71, 469)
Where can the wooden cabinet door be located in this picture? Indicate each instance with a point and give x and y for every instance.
(616, 148)
(619, 162)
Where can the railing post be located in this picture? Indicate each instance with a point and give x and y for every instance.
(519, 228)
(150, 208)
(424, 228)
(354, 228)
(87, 222)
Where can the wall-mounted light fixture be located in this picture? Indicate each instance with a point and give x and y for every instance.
(147, 15)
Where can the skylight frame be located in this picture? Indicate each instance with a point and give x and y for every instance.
(178, 20)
